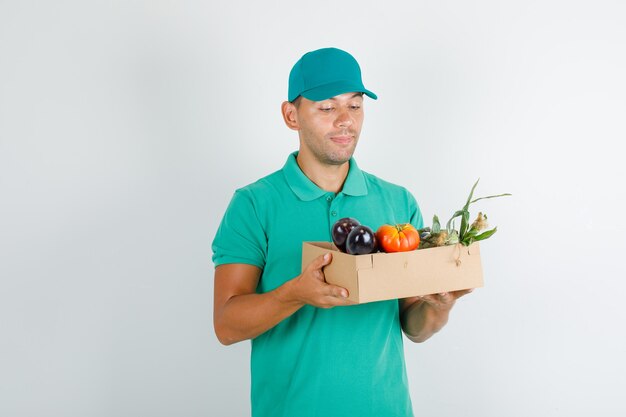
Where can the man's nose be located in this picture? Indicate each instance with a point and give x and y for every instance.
(343, 119)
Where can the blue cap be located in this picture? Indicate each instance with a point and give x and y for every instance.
(326, 73)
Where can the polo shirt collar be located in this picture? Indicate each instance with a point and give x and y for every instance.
(306, 189)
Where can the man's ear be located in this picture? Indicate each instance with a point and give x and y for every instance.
(290, 115)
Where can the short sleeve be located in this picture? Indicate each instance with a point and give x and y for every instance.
(240, 237)
(416, 214)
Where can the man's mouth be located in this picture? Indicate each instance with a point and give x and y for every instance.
(341, 139)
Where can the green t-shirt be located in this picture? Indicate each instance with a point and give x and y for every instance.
(343, 361)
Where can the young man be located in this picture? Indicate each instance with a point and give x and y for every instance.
(313, 352)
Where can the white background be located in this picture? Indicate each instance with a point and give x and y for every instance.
(126, 126)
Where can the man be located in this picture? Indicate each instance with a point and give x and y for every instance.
(314, 353)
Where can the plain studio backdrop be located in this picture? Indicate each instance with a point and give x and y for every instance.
(126, 126)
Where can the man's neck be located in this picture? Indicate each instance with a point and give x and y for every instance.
(327, 177)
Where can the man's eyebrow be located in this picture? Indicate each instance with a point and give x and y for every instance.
(353, 96)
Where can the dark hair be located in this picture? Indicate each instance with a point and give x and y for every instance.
(296, 101)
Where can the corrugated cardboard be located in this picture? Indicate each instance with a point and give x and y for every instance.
(384, 276)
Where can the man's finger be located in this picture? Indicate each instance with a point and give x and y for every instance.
(321, 261)
(438, 300)
(461, 293)
(430, 298)
(332, 301)
(448, 297)
(337, 292)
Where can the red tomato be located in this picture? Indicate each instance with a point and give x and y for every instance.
(398, 238)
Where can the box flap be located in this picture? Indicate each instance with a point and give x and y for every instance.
(363, 261)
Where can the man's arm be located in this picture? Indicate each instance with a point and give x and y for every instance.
(239, 313)
(421, 317)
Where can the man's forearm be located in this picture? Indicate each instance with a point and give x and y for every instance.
(247, 316)
(240, 313)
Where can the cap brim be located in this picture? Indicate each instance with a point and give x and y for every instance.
(327, 91)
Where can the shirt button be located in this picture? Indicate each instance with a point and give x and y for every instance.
(333, 213)
(329, 198)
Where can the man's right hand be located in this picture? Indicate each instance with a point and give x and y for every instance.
(311, 288)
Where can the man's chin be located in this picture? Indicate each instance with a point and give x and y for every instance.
(338, 158)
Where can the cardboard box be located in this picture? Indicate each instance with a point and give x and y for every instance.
(385, 276)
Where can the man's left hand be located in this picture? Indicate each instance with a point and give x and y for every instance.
(442, 302)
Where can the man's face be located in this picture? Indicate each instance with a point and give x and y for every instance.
(329, 130)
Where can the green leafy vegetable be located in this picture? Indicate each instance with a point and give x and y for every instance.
(467, 233)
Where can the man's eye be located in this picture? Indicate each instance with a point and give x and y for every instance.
(326, 109)
(356, 107)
